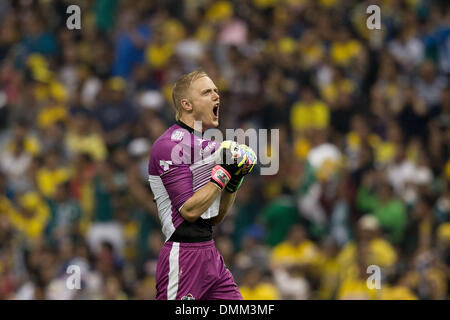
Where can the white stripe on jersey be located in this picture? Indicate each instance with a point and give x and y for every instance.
(164, 205)
(201, 171)
(201, 175)
(172, 287)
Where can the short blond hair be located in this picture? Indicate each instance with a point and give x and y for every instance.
(181, 87)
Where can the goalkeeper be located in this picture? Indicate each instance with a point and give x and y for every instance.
(193, 196)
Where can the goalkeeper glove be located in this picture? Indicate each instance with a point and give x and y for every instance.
(237, 178)
(232, 159)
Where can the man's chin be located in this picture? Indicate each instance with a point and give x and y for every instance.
(211, 124)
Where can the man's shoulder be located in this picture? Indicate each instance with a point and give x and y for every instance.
(173, 136)
(169, 148)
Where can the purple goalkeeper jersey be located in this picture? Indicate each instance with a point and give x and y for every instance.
(180, 163)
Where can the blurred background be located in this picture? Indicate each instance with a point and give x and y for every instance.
(364, 120)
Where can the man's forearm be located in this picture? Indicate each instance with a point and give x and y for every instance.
(226, 201)
(196, 205)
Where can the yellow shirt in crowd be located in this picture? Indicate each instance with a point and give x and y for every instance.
(263, 291)
(51, 115)
(342, 53)
(305, 252)
(312, 54)
(159, 55)
(329, 276)
(5, 205)
(313, 116)
(32, 227)
(31, 145)
(49, 180)
(353, 288)
(331, 91)
(399, 292)
(381, 253)
(92, 144)
(219, 11)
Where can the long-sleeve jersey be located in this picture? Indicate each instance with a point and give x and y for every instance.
(180, 163)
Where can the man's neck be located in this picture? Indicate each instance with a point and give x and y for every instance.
(188, 121)
(189, 128)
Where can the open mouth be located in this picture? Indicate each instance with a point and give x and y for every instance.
(216, 110)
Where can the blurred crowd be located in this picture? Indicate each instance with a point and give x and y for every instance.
(364, 143)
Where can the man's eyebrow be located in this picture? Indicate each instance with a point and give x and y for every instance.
(209, 89)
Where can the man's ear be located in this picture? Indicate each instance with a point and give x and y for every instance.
(186, 104)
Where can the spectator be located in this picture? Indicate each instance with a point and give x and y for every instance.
(430, 85)
(254, 288)
(389, 210)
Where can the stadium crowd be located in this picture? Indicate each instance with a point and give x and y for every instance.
(364, 143)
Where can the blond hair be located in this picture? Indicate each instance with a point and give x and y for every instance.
(181, 87)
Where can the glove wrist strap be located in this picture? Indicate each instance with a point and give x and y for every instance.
(220, 176)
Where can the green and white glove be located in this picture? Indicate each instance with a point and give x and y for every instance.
(230, 159)
(249, 160)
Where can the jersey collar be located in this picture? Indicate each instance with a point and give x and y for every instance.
(191, 130)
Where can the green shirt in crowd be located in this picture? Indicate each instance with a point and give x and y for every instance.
(278, 217)
(391, 214)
